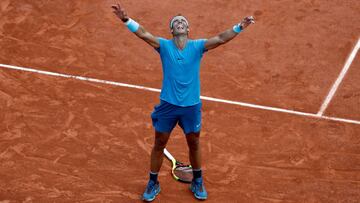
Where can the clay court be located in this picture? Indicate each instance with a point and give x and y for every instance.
(75, 101)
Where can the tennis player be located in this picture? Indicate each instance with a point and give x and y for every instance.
(180, 94)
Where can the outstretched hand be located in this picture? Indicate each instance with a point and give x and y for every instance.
(247, 21)
(120, 12)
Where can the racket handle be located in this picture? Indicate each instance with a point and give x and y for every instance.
(168, 155)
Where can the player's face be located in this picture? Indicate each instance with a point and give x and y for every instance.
(180, 26)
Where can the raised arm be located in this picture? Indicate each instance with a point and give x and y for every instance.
(229, 34)
(137, 29)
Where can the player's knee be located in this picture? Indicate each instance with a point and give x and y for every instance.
(159, 145)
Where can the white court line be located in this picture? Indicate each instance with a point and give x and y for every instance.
(339, 79)
(202, 97)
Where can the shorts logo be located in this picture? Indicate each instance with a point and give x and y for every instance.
(198, 125)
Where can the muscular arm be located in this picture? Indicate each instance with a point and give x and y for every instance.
(227, 35)
(147, 37)
(140, 32)
(220, 39)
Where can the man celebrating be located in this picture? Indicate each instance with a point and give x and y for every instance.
(180, 94)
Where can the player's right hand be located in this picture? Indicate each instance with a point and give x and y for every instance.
(120, 12)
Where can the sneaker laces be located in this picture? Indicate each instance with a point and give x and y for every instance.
(150, 186)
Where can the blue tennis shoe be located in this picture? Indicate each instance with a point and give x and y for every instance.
(198, 188)
(152, 189)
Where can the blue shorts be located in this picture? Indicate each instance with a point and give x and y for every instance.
(165, 117)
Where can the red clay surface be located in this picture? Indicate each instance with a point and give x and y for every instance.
(64, 140)
(348, 95)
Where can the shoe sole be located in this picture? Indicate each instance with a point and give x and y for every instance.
(150, 200)
(200, 198)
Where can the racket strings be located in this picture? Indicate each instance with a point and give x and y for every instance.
(184, 173)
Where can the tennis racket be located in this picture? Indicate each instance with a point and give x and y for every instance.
(181, 172)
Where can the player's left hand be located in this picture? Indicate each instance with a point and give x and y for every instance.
(247, 21)
(120, 12)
